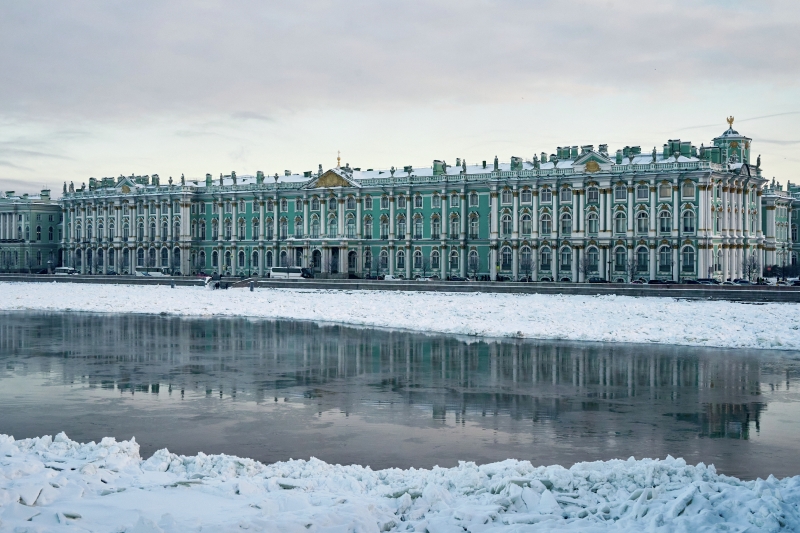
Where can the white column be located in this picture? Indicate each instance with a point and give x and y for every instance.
(535, 215)
(515, 219)
(340, 203)
(392, 221)
(631, 212)
(652, 261)
(359, 222)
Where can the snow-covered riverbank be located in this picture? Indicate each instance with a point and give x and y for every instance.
(587, 318)
(57, 484)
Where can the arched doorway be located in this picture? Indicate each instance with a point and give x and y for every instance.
(316, 260)
(352, 261)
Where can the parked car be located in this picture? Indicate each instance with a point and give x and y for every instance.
(306, 273)
(500, 278)
(460, 278)
(691, 282)
(742, 282)
(658, 282)
(111, 273)
(796, 283)
(728, 283)
(597, 280)
(390, 277)
(782, 283)
(708, 281)
(637, 282)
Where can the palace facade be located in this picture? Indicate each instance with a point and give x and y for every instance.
(31, 232)
(681, 212)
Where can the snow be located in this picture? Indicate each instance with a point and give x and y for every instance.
(56, 484)
(583, 318)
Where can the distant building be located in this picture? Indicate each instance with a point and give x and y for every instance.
(30, 232)
(680, 212)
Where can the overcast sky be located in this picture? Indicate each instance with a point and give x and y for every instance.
(118, 87)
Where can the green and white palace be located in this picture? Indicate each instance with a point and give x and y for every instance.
(674, 213)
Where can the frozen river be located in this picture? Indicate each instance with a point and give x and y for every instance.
(274, 390)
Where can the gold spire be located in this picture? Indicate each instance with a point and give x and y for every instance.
(338, 159)
(730, 121)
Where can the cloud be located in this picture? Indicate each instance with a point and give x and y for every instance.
(119, 59)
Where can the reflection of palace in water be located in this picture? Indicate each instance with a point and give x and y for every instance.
(717, 392)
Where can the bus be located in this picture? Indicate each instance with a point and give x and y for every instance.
(152, 271)
(286, 272)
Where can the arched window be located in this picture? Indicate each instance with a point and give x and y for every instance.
(526, 224)
(384, 202)
(620, 258)
(642, 223)
(100, 234)
(688, 221)
(665, 259)
(454, 227)
(315, 204)
(506, 197)
(368, 228)
(214, 230)
(505, 225)
(664, 222)
(151, 257)
(592, 194)
(687, 260)
(474, 201)
(164, 257)
(642, 259)
(384, 260)
(176, 230)
(351, 227)
(592, 259)
(254, 259)
(418, 227)
(454, 260)
(164, 230)
(546, 196)
(794, 232)
(436, 201)
(367, 259)
(620, 222)
(545, 259)
(592, 223)
(368, 202)
(88, 232)
(435, 259)
(642, 192)
(284, 258)
(687, 191)
(474, 227)
(298, 206)
(125, 232)
(566, 195)
(332, 227)
(214, 259)
(140, 231)
(566, 224)
(384, 228)
(418, 201)
(401, 260)
(454, 200)
(50, 234)
(436, 227)
(505, 258)
(474, 263)
(241, 230)
(331, 204)
(620, 193)
(351, 202)
(525, 196)
(401, 227)
(152, 231)
(268, 259)
(228, 229)
(401, 202)
(39, 233)
(270, 205)
(566, 259)
(140, 257)
(111, 256)
(241, 259)
(254, 231)
(546, 224)
(315, 228)
(417, 259)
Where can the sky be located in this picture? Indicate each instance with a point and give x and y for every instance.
(94, 89)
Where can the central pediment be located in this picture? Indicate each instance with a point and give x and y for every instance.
(592, 162)
(332, 178)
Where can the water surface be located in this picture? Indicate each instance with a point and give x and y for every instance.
(274, 390)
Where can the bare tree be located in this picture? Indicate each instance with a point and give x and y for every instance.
(750, 266)
(333, 265)
(526, 267)
(586, 267)
(631, 267)
(473, 265)
(426, 266)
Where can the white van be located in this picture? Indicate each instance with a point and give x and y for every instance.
(152, 271)
(65, 271)
(286, 273)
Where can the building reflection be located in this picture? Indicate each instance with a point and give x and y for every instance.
(715, 393)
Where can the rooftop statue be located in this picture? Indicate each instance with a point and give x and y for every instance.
(654, 154)
(183, 180)
(496, 163)
(170, 181)
(71, 187)
(758, 161)
(65, 187)
(464, 166)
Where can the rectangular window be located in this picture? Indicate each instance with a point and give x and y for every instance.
(642, 192)
(620, 192)
(546, 196)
